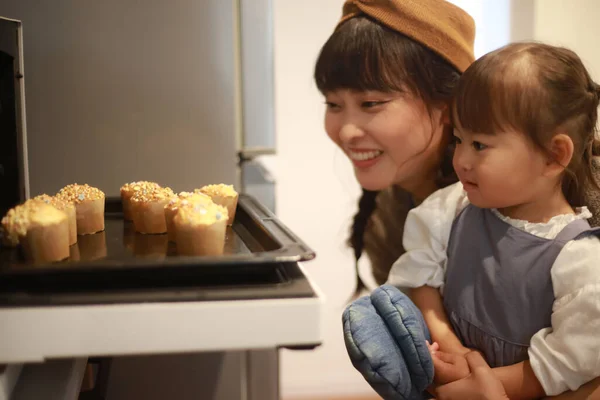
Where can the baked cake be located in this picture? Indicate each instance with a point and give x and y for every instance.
(201, 229)
(89, 207)
(181, 200)
(127, 192)
(224, 195)
(46, 237)
(68, 208)
(14, 224)
(148, 209)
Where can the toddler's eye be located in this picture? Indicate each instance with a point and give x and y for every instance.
(479, 146)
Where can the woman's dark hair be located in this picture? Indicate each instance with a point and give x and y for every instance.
(364, 55)
(540, 91)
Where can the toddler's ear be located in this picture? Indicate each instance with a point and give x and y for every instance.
(561, 148)
(446, 110)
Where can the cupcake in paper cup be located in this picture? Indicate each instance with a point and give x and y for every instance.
(127, 192)
(46, 238)
(89, 207)
(183, 199)
(14, 224)
(68, 208)
(223, 195)
(201, 229)
(148, 209)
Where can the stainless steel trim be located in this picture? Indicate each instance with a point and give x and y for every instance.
(21, 119)
(258, 77)
(253, 152)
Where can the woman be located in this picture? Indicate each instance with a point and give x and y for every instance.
(388, 73)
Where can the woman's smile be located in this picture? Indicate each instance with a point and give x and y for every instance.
(364, 158)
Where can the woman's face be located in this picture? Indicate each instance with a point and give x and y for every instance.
(390, 138)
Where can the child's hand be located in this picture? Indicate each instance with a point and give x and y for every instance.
(481, 384)
(436, 347)
(432, 347)
(449, 367)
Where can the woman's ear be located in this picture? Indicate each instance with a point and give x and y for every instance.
(561, 148)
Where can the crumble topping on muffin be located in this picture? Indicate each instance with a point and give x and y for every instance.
(152, 193)
(56, 202)
(41, 213)
(16, 221)
(202, 214)
(79, 193)
(219, 189)
(186, 198)
(139, 185)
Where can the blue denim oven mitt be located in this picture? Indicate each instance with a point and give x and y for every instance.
(385, 336)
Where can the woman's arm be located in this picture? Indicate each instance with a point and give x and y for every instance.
(429, 301)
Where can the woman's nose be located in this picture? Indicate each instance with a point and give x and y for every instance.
(350, 131)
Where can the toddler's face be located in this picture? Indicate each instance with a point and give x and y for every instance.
(390, 138)
(498, 170)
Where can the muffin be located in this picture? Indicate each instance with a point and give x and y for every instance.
(148, 209)
(127, 192)
(200, 229)
(46, 237)
(14, 224)
(89, 207)
(68, 208)
(223, 195)
(172, 207)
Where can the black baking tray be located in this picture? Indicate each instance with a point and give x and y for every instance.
(256, 248)
(275, 281)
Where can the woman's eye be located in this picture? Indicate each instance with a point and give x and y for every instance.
(479, 146)
(332, 106)
(371, 104)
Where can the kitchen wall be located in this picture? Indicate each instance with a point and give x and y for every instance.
(316, 193)
(570, 23)
(316, 189)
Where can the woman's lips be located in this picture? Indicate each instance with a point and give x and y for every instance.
(364, 158)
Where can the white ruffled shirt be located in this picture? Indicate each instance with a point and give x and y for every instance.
(563, 357)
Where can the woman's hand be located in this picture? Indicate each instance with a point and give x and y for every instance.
(480, 384)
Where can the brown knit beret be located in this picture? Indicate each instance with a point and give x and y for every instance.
(437, 24)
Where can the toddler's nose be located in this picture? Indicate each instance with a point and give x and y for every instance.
(461, 160)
